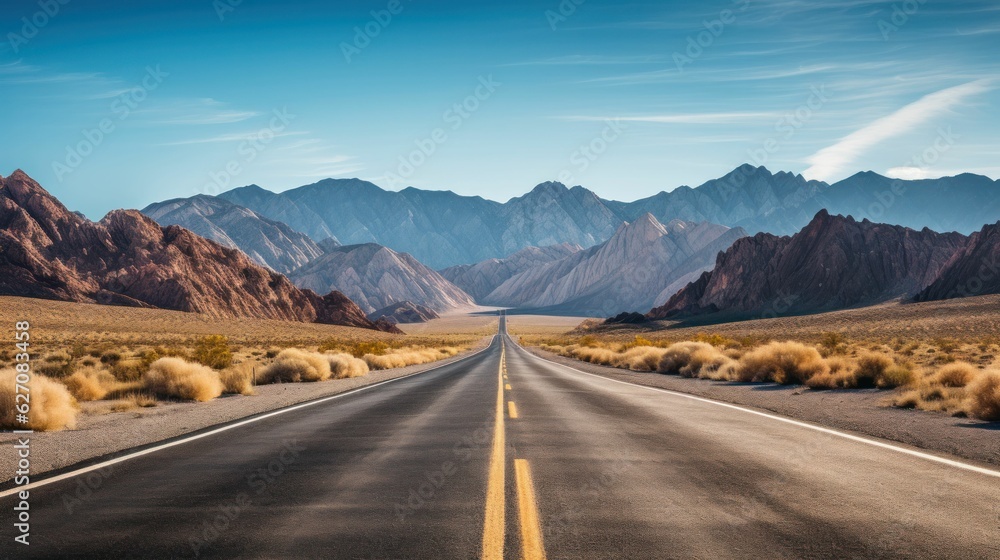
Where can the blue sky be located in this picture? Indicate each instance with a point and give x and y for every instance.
(119, 104)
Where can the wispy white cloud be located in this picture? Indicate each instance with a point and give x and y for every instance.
(682, 118)
(234, 137)
(202, 111)
(592, 60)
(833, 160)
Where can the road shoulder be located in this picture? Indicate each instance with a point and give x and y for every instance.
(860, 411)
(107, 434)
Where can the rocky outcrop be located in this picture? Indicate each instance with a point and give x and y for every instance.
(972, 271)
(404, 312)
(46, 251)
(269, 243)
(479, 280)
(833, 263)
(375, 277)
(629, 271)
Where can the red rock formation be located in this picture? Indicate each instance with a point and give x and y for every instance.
(46, 251)
(973, 271)
(832, 263)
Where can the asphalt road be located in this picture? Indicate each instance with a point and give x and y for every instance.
(505, 455)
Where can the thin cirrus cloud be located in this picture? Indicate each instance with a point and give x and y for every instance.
(682, 118)
(833, 160)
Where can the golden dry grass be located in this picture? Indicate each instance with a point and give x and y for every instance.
(177, 378)
(984, 396)
(90, 383)
(403, 357)
(52, 408)
(238, 379)
(293, 365)
(786, 363)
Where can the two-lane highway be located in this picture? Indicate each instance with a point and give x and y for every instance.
(505, 455)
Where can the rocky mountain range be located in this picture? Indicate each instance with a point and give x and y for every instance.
(835, 262)
(404, 312)
(972, 271)
(375, 277)
(46, 251)
(633, 269)
(268, 242)
(480, 279)
(443, 229)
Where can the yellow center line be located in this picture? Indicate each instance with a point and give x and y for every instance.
(507, 386)
(531, 528)
(511, 409)
(493, 526)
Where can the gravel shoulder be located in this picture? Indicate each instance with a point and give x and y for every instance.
(861, 411)
(108, 434)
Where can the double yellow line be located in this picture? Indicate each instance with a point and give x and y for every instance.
(494, 526)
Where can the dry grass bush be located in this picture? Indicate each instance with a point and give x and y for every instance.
(842, 375)
(782, 362)
(130, 369)
(343, 366)
(293, 365)
(984, 396)
(407, 357)
(871, 370)
(177, 378)
(213, 351)
(52, 406)
(956, 374)
(695, 359)
(90, 384)
(238, 379)
(639, 358)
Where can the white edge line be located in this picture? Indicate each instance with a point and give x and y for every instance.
(876, 443)
(227, 427)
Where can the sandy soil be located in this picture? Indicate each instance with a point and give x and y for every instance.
(966, 319)
(105, 434)
(860, 411)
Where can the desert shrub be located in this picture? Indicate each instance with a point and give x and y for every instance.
(782, 362)
(594, 355)
(175, 377)
(957, 374)
(841, 375)
(360, 349)
(345, 365)
(871, 369)
(639, 358)
(213, 351)
(90, 384)
(946, 345)
(52, 406)
(590, 341)
(238, 379)
(57, 357)
(984, 396)
(694, 359)
(897, 375)
(111, 358)
(130, 369)
(402, 358)
(833, 343)
(293, 365)
(52, 369)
